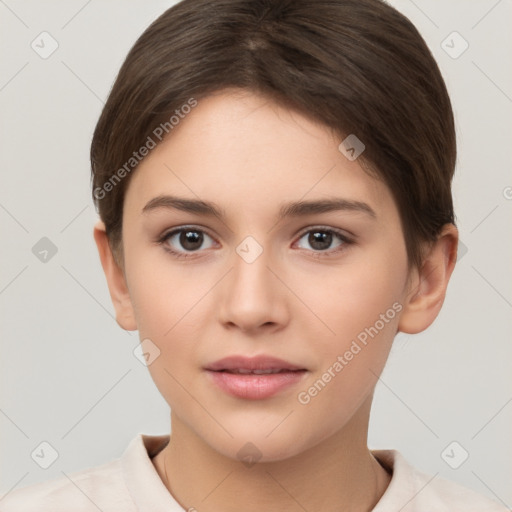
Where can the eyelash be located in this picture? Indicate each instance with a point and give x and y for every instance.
(317, 254)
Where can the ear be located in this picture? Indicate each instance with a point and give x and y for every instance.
(427, 286)
(116, 280)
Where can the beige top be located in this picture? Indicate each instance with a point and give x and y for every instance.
(131, 483)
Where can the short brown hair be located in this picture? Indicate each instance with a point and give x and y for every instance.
(357, 66)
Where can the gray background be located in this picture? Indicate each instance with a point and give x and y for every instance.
(68, 373)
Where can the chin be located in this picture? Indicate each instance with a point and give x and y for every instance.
(253, 444)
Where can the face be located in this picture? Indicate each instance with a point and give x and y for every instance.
(315, 294)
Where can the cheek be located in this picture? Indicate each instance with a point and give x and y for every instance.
(362, 307)
(350, 362)
(164, 293)
(167, 301)
(357, 297)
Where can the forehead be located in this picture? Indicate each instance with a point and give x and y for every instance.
(247, 153)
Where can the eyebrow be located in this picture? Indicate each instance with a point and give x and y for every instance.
(292, 209)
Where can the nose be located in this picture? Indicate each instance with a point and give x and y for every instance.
(253, 297)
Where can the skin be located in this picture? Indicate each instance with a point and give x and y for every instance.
(250, 155)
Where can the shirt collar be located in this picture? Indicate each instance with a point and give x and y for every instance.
(144, 484)
(402, 488)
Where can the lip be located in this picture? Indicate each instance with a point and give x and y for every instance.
(261, 362)
(252, 386)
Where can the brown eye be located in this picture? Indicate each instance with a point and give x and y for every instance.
(321, 239)
(184, 240)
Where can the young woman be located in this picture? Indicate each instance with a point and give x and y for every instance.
(273, 179)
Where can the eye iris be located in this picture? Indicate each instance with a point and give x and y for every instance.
(322, 238)
(189, 238)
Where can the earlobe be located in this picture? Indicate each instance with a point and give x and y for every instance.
(116, 280)
(428, 285)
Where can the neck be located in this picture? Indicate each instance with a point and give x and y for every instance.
(338, 470)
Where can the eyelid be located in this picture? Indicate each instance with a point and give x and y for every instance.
(319, 227)
(184, 227)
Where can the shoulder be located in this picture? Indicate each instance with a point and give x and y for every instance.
(444, 495)
(411, 490)
(98, 488)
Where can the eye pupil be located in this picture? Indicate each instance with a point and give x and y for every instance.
(189, 238)
(323, 238)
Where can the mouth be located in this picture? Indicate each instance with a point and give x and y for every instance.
(254, 378)
(256, 364)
